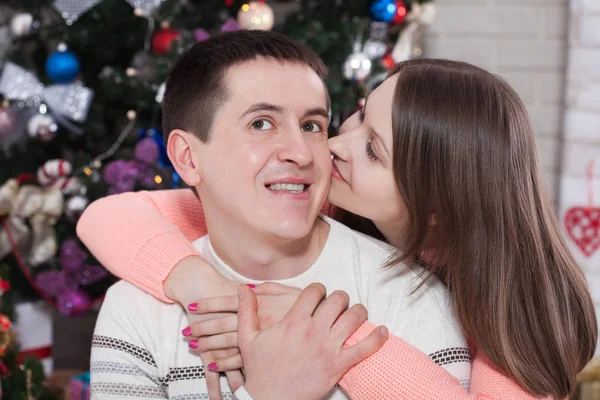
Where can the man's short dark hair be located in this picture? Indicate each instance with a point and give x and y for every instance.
(196, 87)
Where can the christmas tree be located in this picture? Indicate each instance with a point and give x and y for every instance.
(81, 85)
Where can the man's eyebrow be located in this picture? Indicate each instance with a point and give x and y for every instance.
(316, 111)
(262, 107)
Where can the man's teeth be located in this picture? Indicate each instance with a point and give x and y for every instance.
(288, 187)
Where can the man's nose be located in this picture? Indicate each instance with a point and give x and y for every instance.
(294, 149)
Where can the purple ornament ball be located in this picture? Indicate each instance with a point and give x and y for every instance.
(112, 171)
(147, 151)
(72, 256)
(201, 34)
(73, 302)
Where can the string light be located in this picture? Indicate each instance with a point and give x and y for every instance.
(97, 162)
(28, 385)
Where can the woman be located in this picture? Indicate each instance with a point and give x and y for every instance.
(443, 167)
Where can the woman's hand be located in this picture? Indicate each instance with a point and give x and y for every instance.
(217, 339)
(194, 278)
(274, 301)
(302, 356)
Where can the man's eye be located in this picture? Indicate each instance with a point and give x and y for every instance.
(262, 125)
(311, 127)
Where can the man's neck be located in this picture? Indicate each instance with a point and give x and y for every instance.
(268, 258)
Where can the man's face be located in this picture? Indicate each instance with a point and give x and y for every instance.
(266, 167)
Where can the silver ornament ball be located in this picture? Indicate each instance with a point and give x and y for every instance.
(374, 49)
(42, 127)
(75, 205)
(357, 66)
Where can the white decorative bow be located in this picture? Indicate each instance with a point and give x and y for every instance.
(70, 102)
(147, 6)
(42, 207)
(71, 10)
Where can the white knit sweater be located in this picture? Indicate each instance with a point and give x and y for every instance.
(138, 349)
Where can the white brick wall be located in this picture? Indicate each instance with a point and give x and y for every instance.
(582, 125)
(525, 41)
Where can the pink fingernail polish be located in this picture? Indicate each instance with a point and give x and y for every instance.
(193, 344)
(193, 307)
(213, 367)
(187, 331)
(251, 285)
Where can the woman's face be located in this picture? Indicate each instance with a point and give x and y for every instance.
(362, 176)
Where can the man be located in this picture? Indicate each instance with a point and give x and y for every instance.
(247, 115)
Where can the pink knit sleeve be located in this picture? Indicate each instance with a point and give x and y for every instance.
(400, 371)
(141, 236)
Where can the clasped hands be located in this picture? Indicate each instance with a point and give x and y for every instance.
(277, 333)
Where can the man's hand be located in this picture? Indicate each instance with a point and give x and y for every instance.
(217, 340)
(302, 356)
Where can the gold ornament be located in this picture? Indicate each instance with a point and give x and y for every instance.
(6, 340)
(256, 15)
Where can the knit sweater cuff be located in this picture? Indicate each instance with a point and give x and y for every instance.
(356, 381)
(156, 259)
(361, 333)
(241, 394)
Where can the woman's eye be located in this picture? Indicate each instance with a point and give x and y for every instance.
(361, 115)
(370, 153)
(262, 125)
(311, 127)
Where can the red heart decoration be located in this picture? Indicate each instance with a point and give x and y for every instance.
(583, 227)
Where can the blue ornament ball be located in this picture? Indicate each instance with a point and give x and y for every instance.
(383, 10)
(62, 66)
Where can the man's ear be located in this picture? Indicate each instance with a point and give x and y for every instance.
(180, 149)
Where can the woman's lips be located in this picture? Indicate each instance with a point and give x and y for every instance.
(335, 172)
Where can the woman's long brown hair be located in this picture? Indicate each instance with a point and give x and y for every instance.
(464, 152)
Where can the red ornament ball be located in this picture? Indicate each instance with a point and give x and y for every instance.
(401, 12)
(163, 39)
(388, 61)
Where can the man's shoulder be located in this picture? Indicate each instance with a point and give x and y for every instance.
(126, 289)
(374, 255)
(364, 242)
(369, 254)
(128, 296)
(127, 306)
